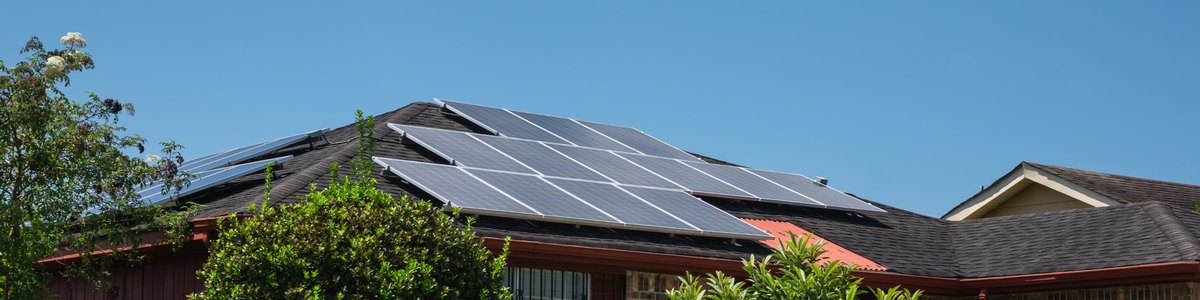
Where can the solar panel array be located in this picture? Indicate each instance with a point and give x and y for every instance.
(218, 168)
(558, 130)
(563, 170)
(628, 169)
(206, 179)
(573, 201)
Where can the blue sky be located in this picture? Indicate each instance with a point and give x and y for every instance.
(911, 104)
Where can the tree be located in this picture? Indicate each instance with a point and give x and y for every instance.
(792, 272)
(66, 183)
(350, 241)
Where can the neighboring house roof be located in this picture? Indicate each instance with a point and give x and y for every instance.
(1126, 189)
(903, 241)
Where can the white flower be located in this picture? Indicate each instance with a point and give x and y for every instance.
(56, 61)
(151, 158)
(73, 39)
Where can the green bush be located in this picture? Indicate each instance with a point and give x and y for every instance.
(350, 241)
(792, 272)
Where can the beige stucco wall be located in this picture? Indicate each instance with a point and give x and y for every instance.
(1035, 198)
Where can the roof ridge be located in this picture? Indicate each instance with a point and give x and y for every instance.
(1041, 165)
(304, 177)
(1168, 222)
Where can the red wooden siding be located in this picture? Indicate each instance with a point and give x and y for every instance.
(163, 275)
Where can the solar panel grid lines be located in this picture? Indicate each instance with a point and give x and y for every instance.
(829, 195)
(501, 121)
(541, 158)
(691, 179)
(785, 187)
(240, 154)
(573, 132)
(543, 196)
(766, 190)
(456, 187)
(614, 167)
(706, 217)
(637, 139)
(460, 148)
(610, 197)
(210, 179)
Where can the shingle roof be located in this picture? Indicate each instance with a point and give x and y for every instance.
(904, 241)
(1080, 239)
(1127, 189)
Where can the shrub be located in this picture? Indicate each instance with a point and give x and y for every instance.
(350, 241)
(792, 272)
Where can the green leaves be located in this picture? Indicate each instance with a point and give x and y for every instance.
(66, 183)
(793, 272)
(351, 241)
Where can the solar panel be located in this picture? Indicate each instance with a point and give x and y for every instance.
(692, 180)
(455, 187)
(241, 154)
(700, 214)
(207, 179)
(640, 141)
(459, 147)
(542, 196)
(613, 166)
(763, 189)
(574, 132)
(830, 197)
(541, 158)
(630, 209)
(501, 121)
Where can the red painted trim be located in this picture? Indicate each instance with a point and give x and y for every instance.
(615, 261)
(593, 259)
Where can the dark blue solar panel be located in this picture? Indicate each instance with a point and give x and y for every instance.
(614, 167)
(574, 132)
(762, 188)
(830, 197)
(623, 206)
(207, 179)
(501, 122)
(541, 158)
(640, 141)
(454, 186)
(692, 180)
(696, 212)
(460, 148)
(241, 154)
(542, 196)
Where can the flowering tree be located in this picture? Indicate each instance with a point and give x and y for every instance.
(66, 183)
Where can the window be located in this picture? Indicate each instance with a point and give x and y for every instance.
(546, 284)
(649, 286)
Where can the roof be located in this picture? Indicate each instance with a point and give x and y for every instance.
(783, 231)
(1127, 189)
(903, 241)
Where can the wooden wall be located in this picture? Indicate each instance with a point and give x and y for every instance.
(162, 275)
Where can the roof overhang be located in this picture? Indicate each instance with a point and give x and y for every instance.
(1016, 181)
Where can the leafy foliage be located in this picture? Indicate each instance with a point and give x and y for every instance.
(792, 272)
(66, 184)
(351, 241)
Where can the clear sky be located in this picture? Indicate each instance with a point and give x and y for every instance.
(911, 104)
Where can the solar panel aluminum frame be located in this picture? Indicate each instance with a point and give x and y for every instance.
(240, 154)
(447, 105)
(622, 224)
(556, 219)
(159, 198)
(721, 234)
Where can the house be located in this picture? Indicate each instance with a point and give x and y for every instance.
(1040, 232)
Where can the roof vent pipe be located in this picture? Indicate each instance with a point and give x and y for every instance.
(821, 180)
